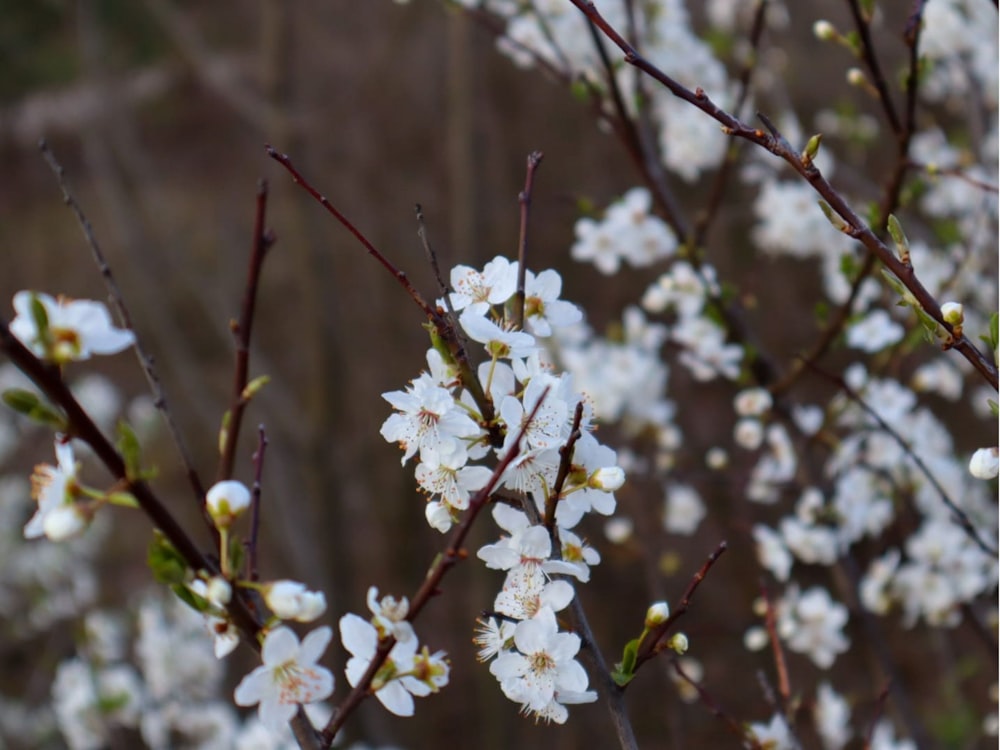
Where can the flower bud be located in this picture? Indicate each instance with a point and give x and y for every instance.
(678, 643)
(824, 30)
(609, 479)
(985, 463)
(953, 313)
(226, 501)
(291, 600)
(856, 77)
(656, 614)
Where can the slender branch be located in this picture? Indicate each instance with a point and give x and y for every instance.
(453, 553)
(258, 462)
(880, 702)
(262, 241)
(400, 276)
(770, 621)
(863, 27)
(565, 464)
(444, 327)
(777, 145)
(731, 724)
(432, 258)
(524, 199)
(654, 642)
(118, 301)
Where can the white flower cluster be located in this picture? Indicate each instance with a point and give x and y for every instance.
(554, 34)
(439, 421)
(628, 232)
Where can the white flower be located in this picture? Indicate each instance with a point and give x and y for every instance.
(542, 665)
(226, 501)
(291, 600)
(772, 552)
(390, 615)
(427, 418)
(874, 332)
(56, 490)
(543, 310)
(499, 343)
(812, 623)
(477, 291)
(75, 328)
(832, 716)
(774, 736)
(361, 639)
(493, 635)
(289, 675)
(683, 509)
(985, 463)
(752, 402)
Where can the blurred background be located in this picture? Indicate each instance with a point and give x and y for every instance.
(159, 111)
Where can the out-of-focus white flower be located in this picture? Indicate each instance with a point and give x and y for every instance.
(683, 509)
(775, 735)
(75, 329)
(832, 715)
(874, 332)
(812, 623)
(985, 463)
(291, 600)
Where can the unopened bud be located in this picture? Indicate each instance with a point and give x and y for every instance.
(609, 479)
(856, 77)
(678, 643)
(656, 614)
(226, 501)
(824, 30)
(953, 313)
(985, 463)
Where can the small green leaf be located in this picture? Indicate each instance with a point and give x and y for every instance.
(186, 595)
(254, 387)
(625, 670)
(812, 147)
(839, 224)
(899, 237)
(224, 431)
(165, 561)
(128, 446)
(30, 405)
(40, 317)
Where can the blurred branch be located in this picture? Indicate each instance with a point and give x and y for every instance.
(118, 301)
(776, 144)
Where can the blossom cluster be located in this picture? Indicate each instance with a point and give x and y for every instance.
(537, 411)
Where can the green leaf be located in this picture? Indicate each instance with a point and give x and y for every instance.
(625, 670)
(40, 317)
(899, 237)
(838, 223)
(128, 446)
(186, 595)
(30, 405)
(166, 563)
(254, 387)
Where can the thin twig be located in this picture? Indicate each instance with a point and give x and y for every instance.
(258, 474)
(445, 328)
(565, 465)
(862, 26)
(777, 145)
(653, 642)
(731, 724)
(118, 301)
(880, 702)
(524, 200)
(262, 241)
(432, 257)
(771, 623)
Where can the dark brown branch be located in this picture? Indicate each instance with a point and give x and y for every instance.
(863, 27)
(400, 276)
(880, 702)
(118, 301)
(565, 465)
(524, 200)
(261, 243)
